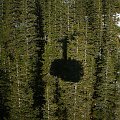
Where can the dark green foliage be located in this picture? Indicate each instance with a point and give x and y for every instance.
(59, 60)
(4, 92)
(37, 84)
(61, 111)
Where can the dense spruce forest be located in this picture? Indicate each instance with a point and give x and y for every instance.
(59, 60)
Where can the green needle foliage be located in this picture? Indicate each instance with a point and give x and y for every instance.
(59, 60)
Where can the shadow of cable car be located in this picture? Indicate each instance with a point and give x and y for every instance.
(67, 69)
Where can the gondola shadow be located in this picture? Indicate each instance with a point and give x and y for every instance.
(67, 69)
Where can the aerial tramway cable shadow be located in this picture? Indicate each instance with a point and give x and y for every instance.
(67, 69)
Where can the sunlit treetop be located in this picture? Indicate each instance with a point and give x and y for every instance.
(67, 1)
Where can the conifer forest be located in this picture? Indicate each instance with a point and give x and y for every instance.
(59, 60)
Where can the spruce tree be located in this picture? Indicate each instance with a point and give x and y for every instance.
(20, 47)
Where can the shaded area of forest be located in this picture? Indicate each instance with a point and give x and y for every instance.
(37, 84)
(61, 111)
(4, 92)
(96, 76)
(68, 70)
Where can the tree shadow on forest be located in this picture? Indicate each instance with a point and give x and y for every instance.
(96, 94)
(96, 107)
(67, 69)
(61, 111)
(4, 83)
(37, 84)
